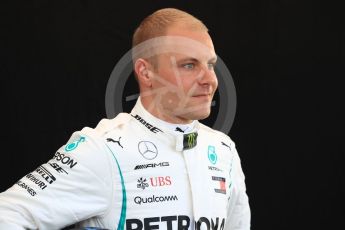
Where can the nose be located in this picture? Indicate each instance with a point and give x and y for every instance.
(208, 77)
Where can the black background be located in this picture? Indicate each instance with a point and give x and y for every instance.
(286, 59)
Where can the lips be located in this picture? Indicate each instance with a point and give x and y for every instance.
(201, 98)
(202, 95)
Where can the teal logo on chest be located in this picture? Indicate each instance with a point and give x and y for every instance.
(74, 144)
(212, 156)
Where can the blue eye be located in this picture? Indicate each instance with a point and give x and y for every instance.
(188, 66)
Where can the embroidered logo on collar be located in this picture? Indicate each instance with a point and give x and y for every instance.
(180, 130)
(212, 156)
(146, 124)
(189, 140)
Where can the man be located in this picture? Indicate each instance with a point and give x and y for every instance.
(156, 168)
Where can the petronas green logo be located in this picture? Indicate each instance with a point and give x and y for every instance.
(74, 144)
(189, 140)
(212, 155)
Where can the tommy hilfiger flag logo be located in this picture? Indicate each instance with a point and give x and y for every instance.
(222, 187)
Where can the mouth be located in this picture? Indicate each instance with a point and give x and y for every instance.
(202, 95)
(202, 98)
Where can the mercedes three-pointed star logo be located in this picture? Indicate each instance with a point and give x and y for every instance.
(148, 150)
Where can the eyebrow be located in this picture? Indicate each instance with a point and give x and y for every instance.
(213, 59)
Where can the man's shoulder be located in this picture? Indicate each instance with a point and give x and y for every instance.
(107, 125)
(215, 134)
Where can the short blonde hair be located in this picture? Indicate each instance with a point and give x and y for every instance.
(157, 23)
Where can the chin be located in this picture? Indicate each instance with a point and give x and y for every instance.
(193, 112)
(201, 114)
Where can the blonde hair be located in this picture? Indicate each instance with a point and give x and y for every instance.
(157, 23)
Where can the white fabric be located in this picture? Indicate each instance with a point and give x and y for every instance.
(104, 178)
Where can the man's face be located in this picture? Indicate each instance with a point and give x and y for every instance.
(184, 77)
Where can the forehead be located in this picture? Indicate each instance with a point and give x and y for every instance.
(186, 42)
(197, 34)
(182, 41)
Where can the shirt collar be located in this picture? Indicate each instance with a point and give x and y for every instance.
(175, 133)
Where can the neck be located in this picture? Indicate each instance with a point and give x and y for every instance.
(159, 112)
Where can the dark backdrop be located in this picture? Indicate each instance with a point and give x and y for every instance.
(287, 61)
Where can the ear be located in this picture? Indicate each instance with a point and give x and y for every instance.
(142, 69)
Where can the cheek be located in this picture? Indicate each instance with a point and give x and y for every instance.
(165, 78)
(188, 85)
(169, 99)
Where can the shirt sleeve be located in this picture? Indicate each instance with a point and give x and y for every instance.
(74, 185)
(239, 214)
